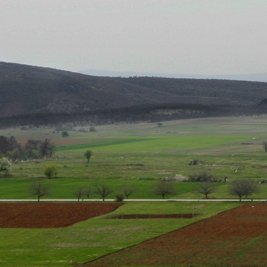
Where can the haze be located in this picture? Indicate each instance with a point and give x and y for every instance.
(201, 37)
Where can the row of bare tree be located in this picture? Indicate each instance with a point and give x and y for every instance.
(239, 187)
(40, 188)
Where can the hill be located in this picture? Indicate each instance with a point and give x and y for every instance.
(36, 95)
(256, 77)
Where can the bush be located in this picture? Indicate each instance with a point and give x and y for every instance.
(193, 162)
(50, 170)
(180, 178)
(92, 129)
(5, 165)
(64, 134)
(202, 177)
(6, 175)
(88, 155)
(83, 130)
(120, 196)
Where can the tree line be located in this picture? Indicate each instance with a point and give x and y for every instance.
(10, 148)
(134, 114)
(242, 188)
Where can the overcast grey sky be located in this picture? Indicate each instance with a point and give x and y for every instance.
(161, 36)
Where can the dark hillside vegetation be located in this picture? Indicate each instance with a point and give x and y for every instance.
(205, 91)
(30, 95)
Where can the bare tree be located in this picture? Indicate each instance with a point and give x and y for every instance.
(78, 192)
(47, 148)
(33, 144)
(88, 191)
(128, 190)
(8, 144)
(40, 189)
(205, 188)
(164, 188)
(243, 187)
(32, 147)
(103, 190)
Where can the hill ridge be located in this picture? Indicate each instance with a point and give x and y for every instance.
(30, 91)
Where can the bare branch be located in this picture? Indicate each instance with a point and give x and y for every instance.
(40, 189)
(164, 188)
(103, 190)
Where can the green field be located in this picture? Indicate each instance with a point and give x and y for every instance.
(130, 154)
(139, 154)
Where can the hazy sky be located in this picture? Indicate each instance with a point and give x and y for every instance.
(161, 36)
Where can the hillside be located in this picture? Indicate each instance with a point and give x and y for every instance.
(30, 93)
(256, 77)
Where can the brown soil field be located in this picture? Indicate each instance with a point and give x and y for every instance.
(50, 215)
(233, 238)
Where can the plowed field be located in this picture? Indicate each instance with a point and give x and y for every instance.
(50, 215)
(233, 238)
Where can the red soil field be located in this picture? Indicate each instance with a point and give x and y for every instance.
(50, 215)
(233, 238)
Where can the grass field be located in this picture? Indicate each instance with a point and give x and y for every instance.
(130, 154)
(139, 154)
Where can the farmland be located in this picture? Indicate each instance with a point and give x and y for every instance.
(93, 238)
(232, 238)
(139, 154)
(135, 155)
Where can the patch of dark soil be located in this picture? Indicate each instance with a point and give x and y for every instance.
(50, 215)
(154, 216)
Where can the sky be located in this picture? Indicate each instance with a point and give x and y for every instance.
(157, 36)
